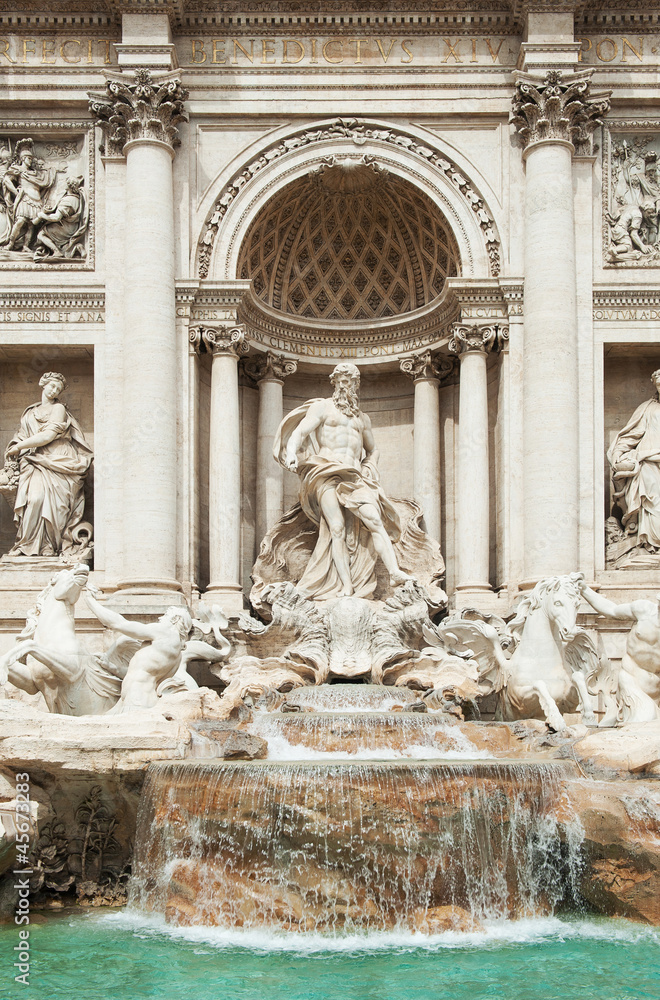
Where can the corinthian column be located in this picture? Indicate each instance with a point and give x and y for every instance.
(553, 116)
(139, 115)
(472, 345)
(227, 345)
(426, 371)
(269, 371)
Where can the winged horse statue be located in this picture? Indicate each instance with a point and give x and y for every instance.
(542, 663)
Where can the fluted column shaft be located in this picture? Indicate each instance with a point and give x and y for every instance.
(426, 371)
(138, 115)
(472, 344)
(269, 372)
(553, 116)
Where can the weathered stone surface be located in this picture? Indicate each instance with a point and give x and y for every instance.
(621, 849)
(631, 749)
(225, 741)
(437, 919)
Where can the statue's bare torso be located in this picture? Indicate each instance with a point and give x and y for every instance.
(642, 657)
(340, 435)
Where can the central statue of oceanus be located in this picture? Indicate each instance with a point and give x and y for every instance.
(330, 444)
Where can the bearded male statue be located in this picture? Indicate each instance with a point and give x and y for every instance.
(330, 444)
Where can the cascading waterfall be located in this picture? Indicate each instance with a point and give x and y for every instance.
(383, 735)
(359, 846)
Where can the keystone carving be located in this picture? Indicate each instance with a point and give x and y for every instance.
(145, 108)
(558, 107)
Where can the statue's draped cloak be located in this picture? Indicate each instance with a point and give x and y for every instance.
(641, 491)
(50, 502)
(354, 488)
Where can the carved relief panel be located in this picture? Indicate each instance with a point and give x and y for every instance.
(631, 194)
(46, 195)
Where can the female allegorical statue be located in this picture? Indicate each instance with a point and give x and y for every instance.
(53, 459)
(635, 460)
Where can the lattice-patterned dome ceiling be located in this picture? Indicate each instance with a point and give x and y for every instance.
(349, 244)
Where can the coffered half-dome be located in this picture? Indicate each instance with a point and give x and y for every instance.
(349, 242)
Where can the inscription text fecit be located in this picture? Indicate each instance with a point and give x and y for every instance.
(56, 50)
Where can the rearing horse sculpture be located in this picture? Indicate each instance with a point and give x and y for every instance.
(72, 680)
(550, 659)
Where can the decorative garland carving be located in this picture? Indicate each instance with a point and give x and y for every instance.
(358, 131)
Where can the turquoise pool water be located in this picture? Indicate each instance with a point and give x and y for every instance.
(117, 956)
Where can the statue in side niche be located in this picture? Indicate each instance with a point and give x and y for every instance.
(635, 460)
(46, 464)
(330, 444)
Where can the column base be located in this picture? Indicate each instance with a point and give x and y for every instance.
(228, 596)
(479, 596)
(146, 596)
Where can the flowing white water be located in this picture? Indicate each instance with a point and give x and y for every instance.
(372, 736)
(530, 930)
(329, 847)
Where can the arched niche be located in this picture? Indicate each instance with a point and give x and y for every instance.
(404, 155)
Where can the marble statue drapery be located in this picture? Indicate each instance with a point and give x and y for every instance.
(50, 502)
(635, 460)
(353, 487)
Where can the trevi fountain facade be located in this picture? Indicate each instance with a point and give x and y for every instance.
(330, 515)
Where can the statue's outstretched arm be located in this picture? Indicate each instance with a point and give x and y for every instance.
(606, 607)
(112, 619)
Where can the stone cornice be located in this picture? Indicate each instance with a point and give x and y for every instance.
(48, 299)
(382, 340)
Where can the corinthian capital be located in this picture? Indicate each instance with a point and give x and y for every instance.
(270, 367)
(426, 366)
(475, 338)
(558, 107)
(139, 108)
(219, 340)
